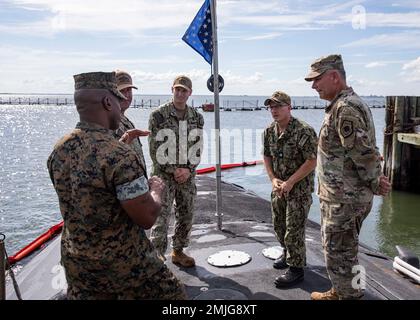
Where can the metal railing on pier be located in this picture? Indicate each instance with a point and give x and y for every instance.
(69, 101)
(36, 101)
(226, 105)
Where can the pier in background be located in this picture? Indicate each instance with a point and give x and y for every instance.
(226, 104)
(402, 143)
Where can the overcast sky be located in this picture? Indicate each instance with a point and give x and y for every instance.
(263, 45)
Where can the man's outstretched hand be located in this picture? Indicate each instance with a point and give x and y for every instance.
(132, 134)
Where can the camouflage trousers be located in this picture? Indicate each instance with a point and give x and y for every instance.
(289, 219)
(340, 229)
(184, 195)
(163, 285)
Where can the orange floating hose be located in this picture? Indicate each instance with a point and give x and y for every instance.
(229, 166)
(42, 239)
(38, 242)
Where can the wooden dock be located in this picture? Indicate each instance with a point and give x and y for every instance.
(411, 138)
(402, 143)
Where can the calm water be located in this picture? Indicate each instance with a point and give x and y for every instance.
(29, 206)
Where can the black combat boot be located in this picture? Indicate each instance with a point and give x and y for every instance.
(280, 263)
(289, 278)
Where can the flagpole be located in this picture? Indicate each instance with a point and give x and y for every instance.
(215, 66)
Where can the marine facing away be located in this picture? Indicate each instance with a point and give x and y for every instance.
(106, 203)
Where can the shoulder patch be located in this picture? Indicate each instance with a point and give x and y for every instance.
(303, 140)
(346, 128)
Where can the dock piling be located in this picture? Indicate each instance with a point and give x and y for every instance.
(401, 143)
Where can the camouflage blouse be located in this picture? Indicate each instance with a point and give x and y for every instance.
(289, 151)
(175, 143)
(126, 125)
(101, 246)
(348, 164)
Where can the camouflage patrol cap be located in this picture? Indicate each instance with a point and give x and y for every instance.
(97, 80)
(280, 98)
(322, 64)
(124, 80)
(183, 81)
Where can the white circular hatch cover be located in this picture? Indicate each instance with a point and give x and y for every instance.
(229, 258)
(273, 253)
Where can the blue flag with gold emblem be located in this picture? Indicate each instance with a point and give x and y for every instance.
(199, 34)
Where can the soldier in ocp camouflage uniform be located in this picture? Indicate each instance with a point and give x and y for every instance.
(349, 174)
(125, 86)
(175, 145)
(290, 159)
(106, 203)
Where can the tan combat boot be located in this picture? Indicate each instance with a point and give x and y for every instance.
(328, 295)
(180, 258)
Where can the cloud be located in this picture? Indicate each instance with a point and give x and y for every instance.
(151, 29)
(249, 7)
(15, 58)
(402, 40)
(230, 77)
(167, 77)
(139, 17)
(278, 63)
(46, 71)
(411, 71)
(414, 4)
(378, 64)
(267, 36)
(299, 81)
(375, 64)
(309, 16)
(52, 70)
(366, 83)
(312, 17)
(376, 86)
(124, 16)
(389, 20)
(273, 20)
(235, 83)
(128, 16)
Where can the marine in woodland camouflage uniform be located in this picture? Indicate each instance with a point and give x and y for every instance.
(104, 253)
(285, 152)
(125, 86)
(349, 171)
(176, 151)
